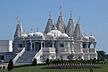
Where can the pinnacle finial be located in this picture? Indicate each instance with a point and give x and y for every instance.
(31, 30)
(60, 10)
(17, 20)
(70, 14)
(49, 14)
(78, 22)
(37, 29)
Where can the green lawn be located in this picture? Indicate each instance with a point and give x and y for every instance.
(104, 68)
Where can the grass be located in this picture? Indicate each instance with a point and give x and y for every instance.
(104, 68)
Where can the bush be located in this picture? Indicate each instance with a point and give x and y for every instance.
(47, 61)
(10, 65)
(34, 62)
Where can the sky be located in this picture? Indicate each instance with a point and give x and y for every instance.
(34, 14)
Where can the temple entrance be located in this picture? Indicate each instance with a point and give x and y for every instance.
(33, 46)
(37, 46)
(28, 46)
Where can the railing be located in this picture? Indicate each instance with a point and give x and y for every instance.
(38, 54)
(18, 55)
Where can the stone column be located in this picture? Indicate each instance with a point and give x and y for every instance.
(72, 47)
(31, 45)
(94, 45)
(88, 54)
(41, 44)
(53, 44)
(44, 44)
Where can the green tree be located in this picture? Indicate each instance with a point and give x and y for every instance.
(47, 61)
(10, 65)
(101, 55)
(94, 61)
(34, 62)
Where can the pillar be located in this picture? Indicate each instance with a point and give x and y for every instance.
(41, 44)
(53, 44)
(31, 45)
(94, 44)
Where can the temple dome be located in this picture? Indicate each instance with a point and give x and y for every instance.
(92, 38)
(86, 37)
(24, 35)
(64, 35)
(30, 34)
(54, 33)
(50, 35)
(39, 34)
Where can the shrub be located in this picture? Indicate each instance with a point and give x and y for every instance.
(10, 65)
(34, 62)
(47, 61)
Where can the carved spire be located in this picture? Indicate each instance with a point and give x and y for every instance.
(70, 26)
(19, 29)
(60, 23)
(77, 32)
(49, 25)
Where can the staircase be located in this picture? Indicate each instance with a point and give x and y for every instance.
(26, 57)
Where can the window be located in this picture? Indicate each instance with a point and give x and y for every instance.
(61, 45)
(20, 45)
(84, 45)
(1, 57)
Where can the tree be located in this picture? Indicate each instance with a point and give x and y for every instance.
(10, 65)
(47, 61)
(34, 62)
(101, 55)
(94, 61)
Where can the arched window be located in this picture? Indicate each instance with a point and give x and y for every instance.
(48, 44)
(84, 45)
(91, 46)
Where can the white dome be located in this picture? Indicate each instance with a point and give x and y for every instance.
(92, 37)
(86, 37)
(64, 35)
(24, 35)
(54, 33)
(50, 35)
(31, 34)
(38, 34)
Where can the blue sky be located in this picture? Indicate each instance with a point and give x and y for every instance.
(34, 13)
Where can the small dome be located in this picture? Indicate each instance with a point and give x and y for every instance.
(86, 37)
(24, 35)
(64, 35)
(30, 34)
(92, 37)
(54, 33)
(38, 34)
(50, 35)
